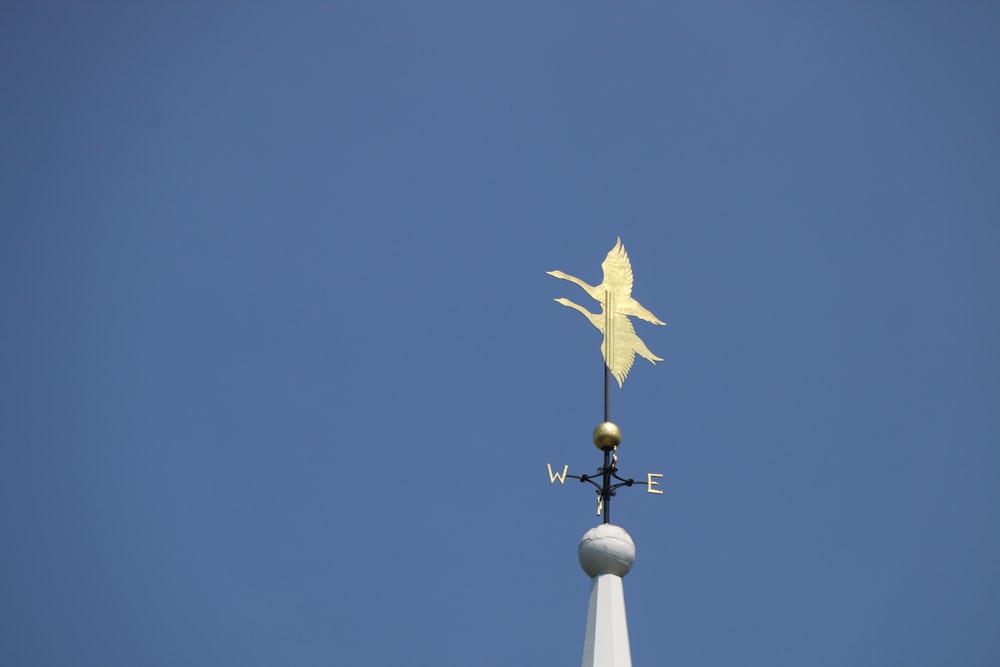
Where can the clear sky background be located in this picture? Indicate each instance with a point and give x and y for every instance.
(281, 369)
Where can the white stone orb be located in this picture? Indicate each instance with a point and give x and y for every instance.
(606, 549)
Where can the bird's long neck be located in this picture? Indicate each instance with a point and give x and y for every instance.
(589, 289)
(596, 320)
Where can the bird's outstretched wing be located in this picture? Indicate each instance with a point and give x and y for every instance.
(622, 367)
(618, 271)
(619, 347)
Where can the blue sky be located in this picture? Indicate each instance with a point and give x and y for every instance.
(282, 369)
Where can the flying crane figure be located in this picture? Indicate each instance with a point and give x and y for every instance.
(621, 343)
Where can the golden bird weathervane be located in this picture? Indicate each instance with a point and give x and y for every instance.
(621, 343)
(619, 348)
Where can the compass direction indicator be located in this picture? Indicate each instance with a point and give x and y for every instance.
(619, 348)
(607, 437)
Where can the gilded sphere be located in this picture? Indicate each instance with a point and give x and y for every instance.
(607, 435)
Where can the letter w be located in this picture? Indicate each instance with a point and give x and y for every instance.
(553, 476)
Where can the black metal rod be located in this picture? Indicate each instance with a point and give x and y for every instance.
(586, 478)
(606, 491)
(607, 393)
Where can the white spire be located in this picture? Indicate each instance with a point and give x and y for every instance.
(606, 554)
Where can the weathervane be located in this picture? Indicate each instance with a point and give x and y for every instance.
(619, 347)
